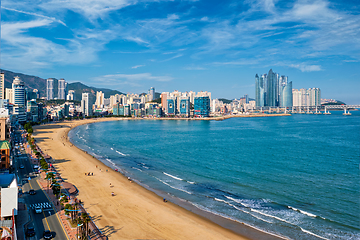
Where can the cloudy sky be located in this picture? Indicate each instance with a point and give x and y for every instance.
(209, 45)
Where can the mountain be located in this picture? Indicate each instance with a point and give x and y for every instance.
(33, 82)
(30, 82)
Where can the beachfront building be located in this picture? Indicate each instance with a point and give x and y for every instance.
(202, 106)
(85, 105)
(171, 106)
(49, 89)
(184, 106)
(62, 85)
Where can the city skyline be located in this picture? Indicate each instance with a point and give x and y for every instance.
(210, 46)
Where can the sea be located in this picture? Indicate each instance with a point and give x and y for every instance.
(296, 177)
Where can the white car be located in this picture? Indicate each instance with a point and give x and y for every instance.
(38, 210)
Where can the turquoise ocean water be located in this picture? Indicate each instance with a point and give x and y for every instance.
(296, 177)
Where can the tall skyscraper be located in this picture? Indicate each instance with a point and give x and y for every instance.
(49, 89)
(151, 94)
(273, 90)
(61, 89)
(99, 99)
(85, 104)
(307, 97)
(19, 99)
(2, 86)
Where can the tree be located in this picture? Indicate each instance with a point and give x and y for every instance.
(85, 219)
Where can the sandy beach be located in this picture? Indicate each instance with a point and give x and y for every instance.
(134, 212)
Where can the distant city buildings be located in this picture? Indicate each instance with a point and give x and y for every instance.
(273, 90)
(306, 97)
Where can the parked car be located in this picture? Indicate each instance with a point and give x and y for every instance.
(32, 192)
(30, 232)
(22, 166)
(47, 234)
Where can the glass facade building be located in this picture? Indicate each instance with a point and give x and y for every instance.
(273, 90)
(185, 107)
(202, 106)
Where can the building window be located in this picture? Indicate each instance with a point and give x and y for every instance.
(170, 105)
(3, 159)
(3, 152)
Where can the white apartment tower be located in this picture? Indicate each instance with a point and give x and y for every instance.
(99, 99)
(18, 96)
(61, 88)
(85, 104)
(49, 89)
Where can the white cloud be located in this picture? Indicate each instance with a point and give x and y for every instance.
(137, 66)
(20, 50)
(132, 78)
(306, 68)
(35, 14)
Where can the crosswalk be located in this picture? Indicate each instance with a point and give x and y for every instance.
(44, 205)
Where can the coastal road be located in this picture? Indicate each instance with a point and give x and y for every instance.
(47, 219)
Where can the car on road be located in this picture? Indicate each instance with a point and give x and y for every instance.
(38, 210)
(30, 232)
(36, 166)
(32, 192)
(47, 234)
(22, 166)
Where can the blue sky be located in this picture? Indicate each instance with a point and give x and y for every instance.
(216, 46)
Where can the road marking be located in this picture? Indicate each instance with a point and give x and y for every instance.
(47, 223)
(57, 215)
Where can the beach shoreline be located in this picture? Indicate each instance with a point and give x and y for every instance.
(134, 212)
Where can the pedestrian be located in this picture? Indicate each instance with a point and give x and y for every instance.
(110, 184)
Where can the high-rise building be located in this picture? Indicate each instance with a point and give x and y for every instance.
(202, 106)
(151, 94)
(70, 95)
(19, 99)
(49, 89)
(62, 89)
(99, 99)
(273, 90)
(2, 86)
(85, 105)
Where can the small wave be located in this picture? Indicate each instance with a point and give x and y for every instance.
(145, 167)
(112, 149)
(137, 169)
(191, 182)
(270, 216)
(174, 187)
(109, 160)
(220, 200)
(172, 176)
(303, 212)
(121, 153)
(311, 233)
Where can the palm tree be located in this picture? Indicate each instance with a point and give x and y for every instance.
(86, 220)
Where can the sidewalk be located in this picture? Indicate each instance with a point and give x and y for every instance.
(71, 232)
